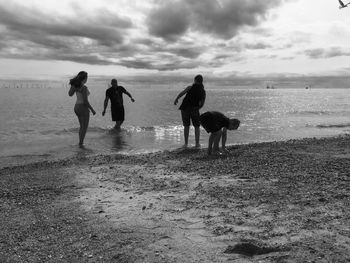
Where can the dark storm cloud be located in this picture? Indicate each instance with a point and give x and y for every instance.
(36, 53)
(185, 52)
(37, 26)
(102, 37)
(169, 21)
(186, 49)
(133, 63)
(221, 18)
(318, 53)
(222, 56)
(155, 65)
(86, 59)
(33, 34)
(145, 41)
(225, 18)
(315, 53)
(336, 52)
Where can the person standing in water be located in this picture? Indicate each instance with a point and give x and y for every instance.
(115, 94)
(193, 101)
(82, 106)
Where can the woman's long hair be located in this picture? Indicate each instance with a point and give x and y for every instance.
(78, 79)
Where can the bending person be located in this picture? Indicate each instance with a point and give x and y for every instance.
(217, 125)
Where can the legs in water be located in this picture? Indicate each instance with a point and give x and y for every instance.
(196, 133)
(81, 137)
(85, 123)
(83, 114)
(118, 115)
(118, 125)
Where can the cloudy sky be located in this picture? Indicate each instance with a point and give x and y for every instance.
(219, 37)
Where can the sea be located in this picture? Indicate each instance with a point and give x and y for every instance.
(37, 121)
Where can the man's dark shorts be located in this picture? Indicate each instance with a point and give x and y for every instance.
(190, 114)
(118, 113)
(209, 123)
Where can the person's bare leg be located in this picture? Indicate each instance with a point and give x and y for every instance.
(85, 125)
(186, 133)
(81, 124)
(117, 125)
(197, 135)
(217, 137)
(210, 143)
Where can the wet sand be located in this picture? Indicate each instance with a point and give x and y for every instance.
(268, 202)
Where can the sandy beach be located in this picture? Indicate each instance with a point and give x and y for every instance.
(268, 202)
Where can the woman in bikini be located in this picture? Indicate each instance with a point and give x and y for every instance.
(82, 106)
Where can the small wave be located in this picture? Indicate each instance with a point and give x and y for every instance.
(97, 129)
(313, 112)
(325, 126)
(155, 128)
(150, 128)
(73, 130)
(108, 130)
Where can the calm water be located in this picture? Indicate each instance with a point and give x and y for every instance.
(39, 120)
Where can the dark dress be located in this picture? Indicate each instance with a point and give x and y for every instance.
(117, 106)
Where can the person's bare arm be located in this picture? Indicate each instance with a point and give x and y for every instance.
(181, 94)
(71, 91)
(105, 104)
(127, 93)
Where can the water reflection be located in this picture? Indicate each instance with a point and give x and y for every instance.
(119, 139)
(140, 139)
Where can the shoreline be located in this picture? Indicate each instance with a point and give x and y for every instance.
(81, 156)
(282, 201)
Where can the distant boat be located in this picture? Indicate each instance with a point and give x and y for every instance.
(342, 5)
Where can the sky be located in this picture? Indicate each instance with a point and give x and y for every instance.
(51, 38)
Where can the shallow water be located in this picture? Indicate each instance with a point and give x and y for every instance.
(39, 120)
